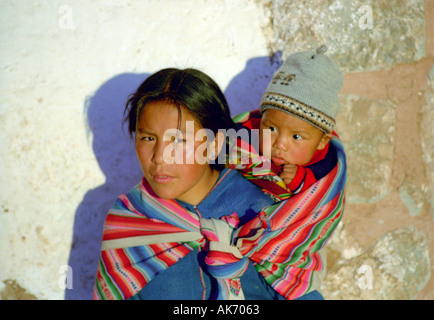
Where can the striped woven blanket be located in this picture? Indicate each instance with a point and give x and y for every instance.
(144, 235)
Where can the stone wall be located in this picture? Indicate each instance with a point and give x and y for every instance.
(384, 246)
(68, 66)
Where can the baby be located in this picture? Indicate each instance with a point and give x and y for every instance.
(299, 108)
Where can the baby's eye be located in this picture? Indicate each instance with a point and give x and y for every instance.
(273, 129)
(297, 137)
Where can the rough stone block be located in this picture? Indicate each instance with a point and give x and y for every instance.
(427, 134)
(361, 35)
(367, 129)
(395, 267)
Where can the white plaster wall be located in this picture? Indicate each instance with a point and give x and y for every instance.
(66, 69)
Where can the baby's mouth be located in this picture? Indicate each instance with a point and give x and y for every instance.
(277, 160)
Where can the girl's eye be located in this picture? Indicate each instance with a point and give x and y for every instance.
(178, 140)
(147, 138)
(273, 129)
(297, 137)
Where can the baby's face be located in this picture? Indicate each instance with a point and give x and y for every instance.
(293, 141)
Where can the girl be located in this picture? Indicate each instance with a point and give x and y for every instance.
(165, 116)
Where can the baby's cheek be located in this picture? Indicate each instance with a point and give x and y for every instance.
(265, 149)
(300, 157)
(265, 143)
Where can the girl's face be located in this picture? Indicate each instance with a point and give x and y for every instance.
(169, 164)
(293, 141)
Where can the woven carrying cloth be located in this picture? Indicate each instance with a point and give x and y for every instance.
(144, 235)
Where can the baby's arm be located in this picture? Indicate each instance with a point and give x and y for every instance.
(297, 178)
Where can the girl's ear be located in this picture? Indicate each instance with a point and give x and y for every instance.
(324, 140)
(216, 146)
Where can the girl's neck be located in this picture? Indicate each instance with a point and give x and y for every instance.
(208, 185)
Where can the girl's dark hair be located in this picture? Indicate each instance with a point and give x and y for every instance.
(189, 88)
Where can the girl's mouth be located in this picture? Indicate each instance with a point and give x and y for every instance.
(162, 178)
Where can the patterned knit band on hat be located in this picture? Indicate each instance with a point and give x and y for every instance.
(306, 86)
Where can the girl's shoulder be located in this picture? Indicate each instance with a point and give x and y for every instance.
(234, 193)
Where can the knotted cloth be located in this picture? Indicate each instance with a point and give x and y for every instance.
(143, 235)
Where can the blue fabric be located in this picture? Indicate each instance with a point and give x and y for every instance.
(183, 279)
(313, 295)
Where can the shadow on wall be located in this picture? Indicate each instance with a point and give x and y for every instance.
(116, 157)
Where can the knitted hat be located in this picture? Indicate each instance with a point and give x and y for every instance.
(306, 86)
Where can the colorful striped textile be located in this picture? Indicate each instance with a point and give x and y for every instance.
(144, 235)
(308, 218)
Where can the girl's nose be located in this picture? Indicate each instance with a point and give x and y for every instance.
(158, 155)
(165, 152)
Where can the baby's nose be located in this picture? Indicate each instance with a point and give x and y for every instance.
(281, 143)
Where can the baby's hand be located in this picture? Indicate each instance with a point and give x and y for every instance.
(288, 173)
